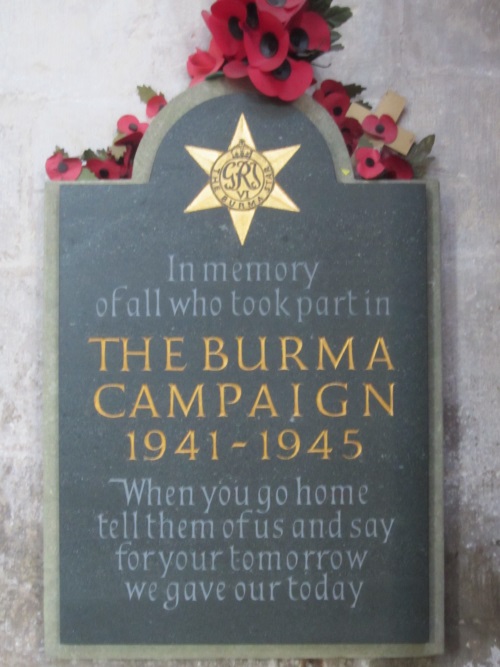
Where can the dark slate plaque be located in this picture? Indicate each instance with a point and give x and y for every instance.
(246, 452)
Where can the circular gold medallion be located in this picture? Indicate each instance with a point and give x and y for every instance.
(242, 179)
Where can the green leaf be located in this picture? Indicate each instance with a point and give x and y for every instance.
(89, 154)
(353, 89)
(58, 149)
(146, 93)
(420, 152)
(367, 105)
(334, 37)
(308, 56)
(336, 16)
(319, 6)
(418, 156)
(87, 175)
(365, 142)
(215, 75)
(427, 144)
(420, 170)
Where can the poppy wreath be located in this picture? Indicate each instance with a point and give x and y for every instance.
(272, 43)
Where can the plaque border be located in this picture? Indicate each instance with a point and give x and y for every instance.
(142, 171)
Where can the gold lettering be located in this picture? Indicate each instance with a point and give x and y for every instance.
(387, 405)
(176, 396)
(173, 353)
(135, 353)
(261, 364)
(222, 397)
(296, 408)
(149, 405)
(385, 359)
(324, 347)
(209, 352)
(97, 400)
(285, 354)
(320, 405)
(103, 342)
(268, 405)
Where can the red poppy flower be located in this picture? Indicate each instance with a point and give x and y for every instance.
(128, 125)
(383, 128)
(328, 86)
(351, 132)
(203, 63)
(267, 47)
(368, 163)
(133, 140)
(282, 9)
(309, 32)
(61, 168)
(127, 162)
(225, 23)
(396, 167)
(337, 105)
(155, 105)
(236, 69)
(105, 169)
(252, 20)
(288, 82)
(334, 98)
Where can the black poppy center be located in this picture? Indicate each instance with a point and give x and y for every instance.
(104, 173)
(62, 167)
(252, 16)
(380, 129)
(299, 39)
(269, 45)
(234, 28)
(370, 162)
(337, 111)
(276, 3)
(283, 71)
(133, 126)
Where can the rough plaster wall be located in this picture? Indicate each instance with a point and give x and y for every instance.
(69, 70)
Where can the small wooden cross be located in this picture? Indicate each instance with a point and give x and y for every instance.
(391, 105)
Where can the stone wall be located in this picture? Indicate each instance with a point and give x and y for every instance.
(70, 69)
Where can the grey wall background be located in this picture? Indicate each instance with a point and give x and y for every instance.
(69, 70)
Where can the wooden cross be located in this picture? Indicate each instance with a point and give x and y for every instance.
(391, 105)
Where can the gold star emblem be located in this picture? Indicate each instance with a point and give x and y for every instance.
(242, 179)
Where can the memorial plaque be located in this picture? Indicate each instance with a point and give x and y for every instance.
(243, 397)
